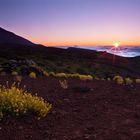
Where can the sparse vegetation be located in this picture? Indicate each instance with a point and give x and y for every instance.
(16, 101)
(14, 73)
(51, 74)
(18, 78)
(118, 79)
(46, 73)
(128, 81)
(85, 77)
(32, 75)
(61, 75)
(63, 84)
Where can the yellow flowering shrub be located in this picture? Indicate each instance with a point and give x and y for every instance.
(76, 75)
(46, 73)
(51, 74)
(80, 76)
(32, 75)
(85, 77)
(118, 79)
(61, 75)
(15, 101)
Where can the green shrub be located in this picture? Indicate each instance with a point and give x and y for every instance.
(15, 101)
(32, 75)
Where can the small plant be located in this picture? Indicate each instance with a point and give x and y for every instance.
(45, 73)
(108, 79)
(85, 77)
(97, 78)
(14, 73)
(138, 81)
(61, 75)
(52, 74)
(16, 101)
(18, 78)
(118, 79)
(32, 75)
(63, 84)
(128, 81)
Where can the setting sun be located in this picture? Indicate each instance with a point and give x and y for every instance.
(116, 45)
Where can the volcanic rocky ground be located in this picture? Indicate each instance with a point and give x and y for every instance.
(87, 110)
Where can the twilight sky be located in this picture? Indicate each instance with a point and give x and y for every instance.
(73, 22)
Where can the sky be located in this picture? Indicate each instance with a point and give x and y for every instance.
(73, 22)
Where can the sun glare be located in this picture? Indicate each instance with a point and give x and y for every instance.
(116, 45)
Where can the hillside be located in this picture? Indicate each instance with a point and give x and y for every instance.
(71, 60)
(7, 37)
(93, 108)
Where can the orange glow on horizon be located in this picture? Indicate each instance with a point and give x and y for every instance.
(83, 42)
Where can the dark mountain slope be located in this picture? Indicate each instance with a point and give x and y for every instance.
(11, 38)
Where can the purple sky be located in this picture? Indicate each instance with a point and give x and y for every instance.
(73, 22)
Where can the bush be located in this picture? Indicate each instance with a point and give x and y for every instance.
(138, 81)
(118, 79)
(14, 73)
(32, 75)
(85, 77)
(52, 74)
(46, 73)
(76, 75)
(97, 78)
(108, 79)
(18, 78)
(128, 81)
(15, 101)
(61, 75)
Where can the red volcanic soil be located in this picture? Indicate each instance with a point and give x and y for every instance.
(105, 112)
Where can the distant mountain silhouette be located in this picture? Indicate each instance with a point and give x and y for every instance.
(7, 37)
